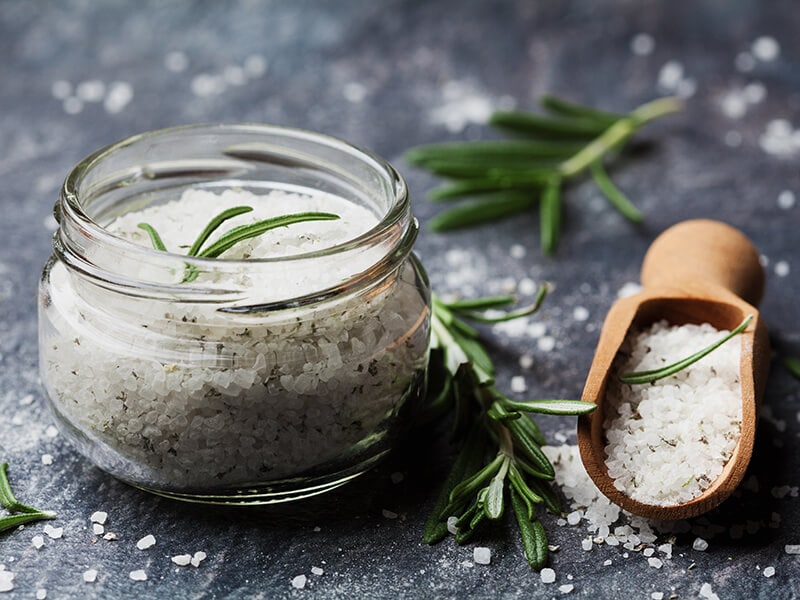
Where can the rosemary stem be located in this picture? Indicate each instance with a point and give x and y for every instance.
(617, 133)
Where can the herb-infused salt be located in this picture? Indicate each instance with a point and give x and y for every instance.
(668, 441)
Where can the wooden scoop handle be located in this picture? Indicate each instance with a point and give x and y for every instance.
(705, 252)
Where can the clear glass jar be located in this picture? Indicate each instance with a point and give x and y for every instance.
(225, 389)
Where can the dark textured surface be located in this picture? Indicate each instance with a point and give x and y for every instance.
(378, 74)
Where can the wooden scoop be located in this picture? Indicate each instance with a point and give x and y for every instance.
(695, 272)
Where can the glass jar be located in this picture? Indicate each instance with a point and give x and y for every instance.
(224, 388)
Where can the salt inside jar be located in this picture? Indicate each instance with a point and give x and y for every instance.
(286, 367)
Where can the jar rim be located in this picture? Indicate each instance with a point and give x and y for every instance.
(398, 210)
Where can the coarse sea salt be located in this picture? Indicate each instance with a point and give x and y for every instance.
(146, 542)
(482, 556)
(668, 441)
(547, 575)
(299, 582)
(138, 575)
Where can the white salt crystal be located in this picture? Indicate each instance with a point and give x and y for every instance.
(656, 563)
(586, 544)
(146, 542)
(26, 400)
(198, 557)
(317, 571)
(579, 313)
(51, 431)
(733, 139)
(574, 517)
(517, 251)
(526, 361)
(72, 105)
(354, 92)
(37, 541)
(110, 536)
(120, 94)
(61, 89)
(138, 575)
(782, 268)
(98, 529)
(642, 44)
(299, 582)
(99, 516)
(176, 61)
(700, 545)
(53, 532)
(482, 556)
(41, 594)
(451, 525)
(527, 286)
(182, 560)
(47, 459)
(388, 514)
(607, 562)
(518, 384)
(755, 92)
(6, 581)
(744, 62)
(566, 588)
(786, 199)
(648, 552)
(670, 75)
(90, 575)
(765, 48)
(792, 548)
(769, 571)
(546, 343)
(255, 65)
(547, 575)
(657, 595)
(91, 90)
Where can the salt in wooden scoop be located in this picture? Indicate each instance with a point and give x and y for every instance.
(698, 271)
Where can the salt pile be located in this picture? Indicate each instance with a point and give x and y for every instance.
(183, 396)
(669, 440)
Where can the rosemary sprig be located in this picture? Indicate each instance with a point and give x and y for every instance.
(233, 236)
(508, 176)
(793, 364)
(24, 513)
(500, 459)
(652, 375)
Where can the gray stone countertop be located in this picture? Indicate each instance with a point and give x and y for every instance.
(77, 75)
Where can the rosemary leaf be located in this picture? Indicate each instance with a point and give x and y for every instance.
(14, 521)
(614, 195)
(532, 124)
(650, 376)
(534, 539)
(550, 216)
(479, 303)
(490, 151)
(473, 483)
(245, 232)
(529, 448)
(793, 364)
(494, 498)
(552, 407)
(545, 490)
(214, 224)
(481, 210)
(570, 109)
(511, 315)
(7, 498)
(155, 239)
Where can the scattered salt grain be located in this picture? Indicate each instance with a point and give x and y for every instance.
(255, 66)
(299, 582)
(574, 517)
(354, 92)
(120, 94)
(138, 575)
(656, 563)
(90, 575)
(518, 384)
(579, 313)
(707, 592)
(657, 596)
(110, 536)
(792, 548)
(99, 517)
(72, 105)
(317, 529)
(526, 361)
(176, 61)
(629, 289)
(547, 575)
(755, 92)
(607, 562)
(782, 268)
(566, 588)
(6, 581)
(517, 251)
(765, 48)
(744, 62)
(182, 560)
(146, 542)
(700, 545)
(670, 75)
(41, 594)
(98, 529)
(53, 532)
(198, 557)
(61, 89)
(51, 431)
(317, 571)
(37, 541)
(786, 199)
(648, 552)
(769, 571)
(642, 44)
(546, 343)
(482, 556)
(388, 514)
(587, 544)
(451, 525)
(733, 139)
(26, 400)
(47, 459)
(92, 90)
